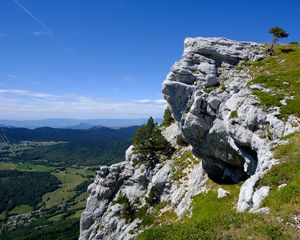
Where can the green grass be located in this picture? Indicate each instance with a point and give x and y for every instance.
(24, 208)
(70, 178)
(214, 218)
(7, 166)
(281, 74)
(33, 167)
(234, 114)
(181, 164)
(45, 230)
(285, 202)
(154, 216)
(24, 167)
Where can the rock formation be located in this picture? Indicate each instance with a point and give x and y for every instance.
(216, 114)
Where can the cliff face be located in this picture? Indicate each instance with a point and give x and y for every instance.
(219, 116)
(230, 137)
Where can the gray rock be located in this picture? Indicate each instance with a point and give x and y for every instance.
(222, 193)
(282, 186)
(258, 196)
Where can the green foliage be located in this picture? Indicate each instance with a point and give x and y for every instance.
(82, 187)
(122, 199)
(168, 118)
(234, 114)
(214, 218)
(148, 140)
(153, 197)
(285, 201)
(45, 230)
(18, 187)
(181, 164)
(181, 142)
(128, 212)
(280, 73)
(155, 216)
(95, 146)
(277, 33)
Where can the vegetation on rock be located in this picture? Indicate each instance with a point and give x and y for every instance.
(214, 218)
(181, 141)
(150, 143)
(280, 74)
(181, 164)
(153, 197)
(168, 118)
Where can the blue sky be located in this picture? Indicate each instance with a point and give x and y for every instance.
(107, 59)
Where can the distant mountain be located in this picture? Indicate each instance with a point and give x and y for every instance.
(81, 126)
(89, 147)
(75, 123)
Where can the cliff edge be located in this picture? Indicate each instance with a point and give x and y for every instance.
(221, 134)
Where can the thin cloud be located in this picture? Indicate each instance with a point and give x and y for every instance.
(26, 93)
(128, 79)
(3, 34)
(143, 101)
(21, 104)
(41, 33)
(44, 26)
(12, 76)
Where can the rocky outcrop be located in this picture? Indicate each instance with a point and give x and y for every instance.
(102, 217)
(218, 115)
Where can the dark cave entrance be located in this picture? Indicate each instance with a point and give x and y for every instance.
(225, 173)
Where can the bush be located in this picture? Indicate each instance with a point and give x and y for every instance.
(168, 118)
(153, 197)
(128, 211)
(181, 142)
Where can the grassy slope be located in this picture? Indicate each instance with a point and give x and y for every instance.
(280, 73)
(215, 218)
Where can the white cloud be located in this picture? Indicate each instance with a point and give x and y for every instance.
(25, 104)
(143, 101)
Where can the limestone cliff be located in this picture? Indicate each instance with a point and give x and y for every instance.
(229, 134)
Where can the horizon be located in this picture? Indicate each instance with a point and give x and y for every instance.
(108, 59)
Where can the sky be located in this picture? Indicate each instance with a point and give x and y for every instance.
(107, 58)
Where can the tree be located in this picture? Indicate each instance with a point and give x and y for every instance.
(148, 141)
(277, 33)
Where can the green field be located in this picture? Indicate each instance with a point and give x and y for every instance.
(70, 178)
(24, 167)
(20, 209)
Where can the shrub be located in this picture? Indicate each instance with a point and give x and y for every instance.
(128, 211)
(233, 114)
(181, 142)
(153, 197)
(168, 118)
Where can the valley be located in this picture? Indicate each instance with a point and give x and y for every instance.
(43, 186)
